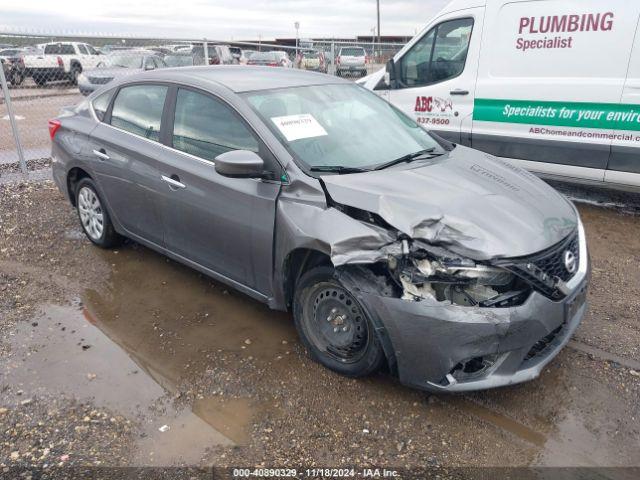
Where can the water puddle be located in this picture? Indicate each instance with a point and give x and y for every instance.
(129, 347)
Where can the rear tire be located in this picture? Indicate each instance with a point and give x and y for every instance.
(74, 74)
(94, 218)
(333, 325)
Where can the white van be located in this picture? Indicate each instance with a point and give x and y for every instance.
(553, 85)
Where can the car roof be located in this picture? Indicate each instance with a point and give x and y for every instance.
(239, 78)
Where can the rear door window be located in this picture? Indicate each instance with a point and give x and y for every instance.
(59, 49)
(138, 109)
(83, 49)
(206, 127)
(353, 52)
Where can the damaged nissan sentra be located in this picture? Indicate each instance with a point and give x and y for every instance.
(455, 269)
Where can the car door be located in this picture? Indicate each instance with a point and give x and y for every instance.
(624, 163)
(126, 148)
(435, 78)
(222, 224)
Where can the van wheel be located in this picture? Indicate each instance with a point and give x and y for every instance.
(94, 218)
(334, 327)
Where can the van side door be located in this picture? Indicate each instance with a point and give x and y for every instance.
(435, 78)
(549, 73)
(624, 164)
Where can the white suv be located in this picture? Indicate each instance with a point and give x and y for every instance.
(351, 60)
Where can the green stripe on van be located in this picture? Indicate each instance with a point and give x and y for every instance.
(610, 116)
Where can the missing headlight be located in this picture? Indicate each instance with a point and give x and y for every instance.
(458, 281)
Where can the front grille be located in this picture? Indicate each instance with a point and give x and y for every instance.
(553, 263)
(543, 270)
(99, 80)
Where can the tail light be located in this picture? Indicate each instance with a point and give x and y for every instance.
(54, 126)
(273, 64)
(60, 62)
(338, 61)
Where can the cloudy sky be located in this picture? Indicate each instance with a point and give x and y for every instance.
(216, 19)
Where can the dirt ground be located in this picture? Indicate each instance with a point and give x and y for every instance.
(124, 357)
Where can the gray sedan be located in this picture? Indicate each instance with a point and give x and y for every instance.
(389, 245)
(118, 65)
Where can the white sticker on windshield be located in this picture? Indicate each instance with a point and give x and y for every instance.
(296, 127)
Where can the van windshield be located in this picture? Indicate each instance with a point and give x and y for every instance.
(340, 126)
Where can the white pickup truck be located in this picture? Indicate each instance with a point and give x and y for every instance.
(61, 61)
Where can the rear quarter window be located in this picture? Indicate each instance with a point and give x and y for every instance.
(100, 104)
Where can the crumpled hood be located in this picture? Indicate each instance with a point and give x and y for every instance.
(469, 202)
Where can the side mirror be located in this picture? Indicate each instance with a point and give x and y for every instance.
(240, 164)
(390, 74)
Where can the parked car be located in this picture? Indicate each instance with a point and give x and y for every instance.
(183, 59)
(13, 60)
(271, 59)
(236, 53)
(307, 192)
(218, 54)
(313, 60)
(246, 55)
(118, 65)
(351, 61)
(482, 86)
(61, 61)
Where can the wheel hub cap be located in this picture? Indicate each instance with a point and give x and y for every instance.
(91, 214)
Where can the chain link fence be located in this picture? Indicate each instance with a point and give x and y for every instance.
(45, 73)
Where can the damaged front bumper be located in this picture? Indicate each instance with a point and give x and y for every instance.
(444, 347)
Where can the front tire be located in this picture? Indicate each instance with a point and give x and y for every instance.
(334, 327)
(94, 218)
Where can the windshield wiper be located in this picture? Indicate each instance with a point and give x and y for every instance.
(340, 169)
(408, 158)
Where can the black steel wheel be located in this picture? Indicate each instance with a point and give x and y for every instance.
(333, 325)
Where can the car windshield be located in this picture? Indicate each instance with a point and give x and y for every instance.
(341, 126)
(9, 53)
(123, 61)
(311, 55)
(178, 60)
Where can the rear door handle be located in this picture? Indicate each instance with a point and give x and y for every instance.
(101, 154)
(173, 181)
(458, 91)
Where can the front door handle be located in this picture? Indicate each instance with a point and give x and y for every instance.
(101, 154)
(173, 181)
(459, 91)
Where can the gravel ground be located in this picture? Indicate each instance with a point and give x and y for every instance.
(135, 343)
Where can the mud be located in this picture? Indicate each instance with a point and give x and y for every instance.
(156, 343)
